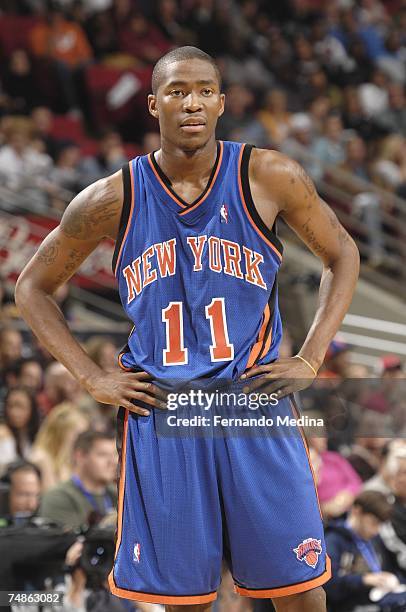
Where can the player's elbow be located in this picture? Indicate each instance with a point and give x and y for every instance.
(351, 253)
(23, 292)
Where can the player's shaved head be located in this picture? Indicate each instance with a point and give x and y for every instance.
(180, 54)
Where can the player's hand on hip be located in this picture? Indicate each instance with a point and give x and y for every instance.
(127, 389)
(282, 377)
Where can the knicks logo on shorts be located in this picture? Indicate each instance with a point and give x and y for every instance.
(309, 551)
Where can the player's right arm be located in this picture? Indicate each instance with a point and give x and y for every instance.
(91, 216)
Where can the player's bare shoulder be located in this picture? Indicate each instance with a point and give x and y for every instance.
(281, 176)
(95, 212)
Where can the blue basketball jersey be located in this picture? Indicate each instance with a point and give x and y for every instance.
(199, 280)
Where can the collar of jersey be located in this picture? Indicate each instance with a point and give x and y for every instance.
(184, 209)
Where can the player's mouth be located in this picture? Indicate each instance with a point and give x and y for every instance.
(193, 126)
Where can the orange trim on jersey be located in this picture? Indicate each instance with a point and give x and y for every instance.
(256, 349)
(173, 196)
(256, 228)
(120, 503)
(160, 599)
(267, 344)
(297, 415)
(292, 589)
(212, 183)
(170, 194)
(130, 216)
(120, 363)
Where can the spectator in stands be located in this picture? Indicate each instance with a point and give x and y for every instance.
(90, 494)
(391, 453)
(52, 449)
(390, 390)
(319, 110)
(42, 119)
(394, 118)
(65, 178)
(151, 142)
(60, 40)
(59, 386)
(356, 158)
(337, 481)
(393, 534)
(392, 63)
(19, 83)
(103, 351)
(26, 372)
(330, 146)
(11, 346)
(65, 44)
(337, 360)
(356, 564)
(21, 166)
(110, 158)
(167, 18)
(373, 96)
(21, 423)
(240, 66)
(143, 40)
(275, 117)
(102, 34)
(240, 123)
(299, 142)
(366, 454)
(24, 493)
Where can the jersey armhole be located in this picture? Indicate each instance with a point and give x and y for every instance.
(268, 234)
(125, 218)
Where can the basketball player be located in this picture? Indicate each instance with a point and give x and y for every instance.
(196, 260)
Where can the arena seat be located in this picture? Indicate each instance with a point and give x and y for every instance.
(68, 128)
(15, 32)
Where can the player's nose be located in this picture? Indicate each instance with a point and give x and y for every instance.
(192, 102)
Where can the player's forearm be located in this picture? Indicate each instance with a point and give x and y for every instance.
(49, 325)
(335, 294)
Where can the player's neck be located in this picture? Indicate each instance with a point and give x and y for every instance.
(177, 163)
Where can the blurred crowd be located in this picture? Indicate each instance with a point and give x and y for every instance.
(322, 82)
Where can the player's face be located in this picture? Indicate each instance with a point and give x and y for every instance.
(188, 104)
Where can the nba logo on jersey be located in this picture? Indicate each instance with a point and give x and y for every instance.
(137, 552)
(224, 214)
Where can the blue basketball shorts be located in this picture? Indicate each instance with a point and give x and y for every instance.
(188, 501)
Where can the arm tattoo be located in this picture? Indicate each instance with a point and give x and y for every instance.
(312, 240)
(48, 253)
(80, 221)
(306, 181)
(74, 259)
(343, 237)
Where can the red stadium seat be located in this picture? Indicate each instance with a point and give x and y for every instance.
(68, 128)
(15, 32)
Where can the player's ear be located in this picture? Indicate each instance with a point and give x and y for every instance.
(222, 102)
(152, 106)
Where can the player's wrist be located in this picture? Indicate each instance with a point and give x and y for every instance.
(312, 364)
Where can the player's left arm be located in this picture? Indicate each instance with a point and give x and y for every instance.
(317, 225)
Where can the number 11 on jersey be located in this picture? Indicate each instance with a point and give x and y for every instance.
(175, 352)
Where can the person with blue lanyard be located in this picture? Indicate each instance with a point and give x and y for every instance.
(359, 580)
(90, 494)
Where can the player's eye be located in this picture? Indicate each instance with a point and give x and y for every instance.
(176, 93)
(207, 92)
